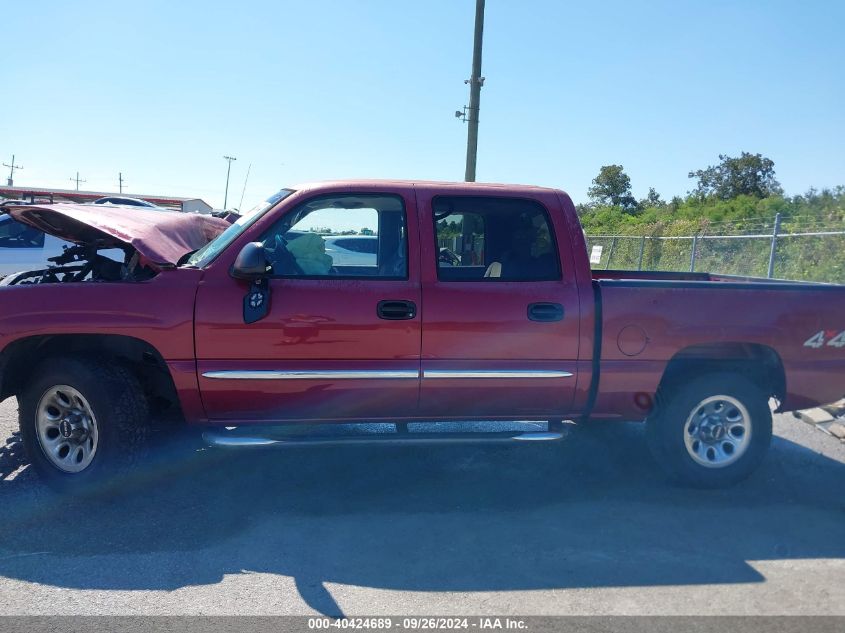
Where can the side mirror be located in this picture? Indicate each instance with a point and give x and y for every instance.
(251, 263)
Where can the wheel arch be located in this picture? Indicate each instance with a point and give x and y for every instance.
(760, 363)
(143, 359)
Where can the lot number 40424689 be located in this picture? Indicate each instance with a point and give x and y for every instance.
(820, 339)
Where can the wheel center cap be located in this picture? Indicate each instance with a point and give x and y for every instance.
(712, 431)
(66, 428)
(73, 427)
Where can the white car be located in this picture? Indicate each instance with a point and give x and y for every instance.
(25, 248)
(352, 250)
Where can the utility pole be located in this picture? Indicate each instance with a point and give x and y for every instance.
(120, 180)
(78, 180)
(228, 171)
(475, 82)
(12, 168)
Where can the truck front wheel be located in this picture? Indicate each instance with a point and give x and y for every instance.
(711, 431)
(82, 421)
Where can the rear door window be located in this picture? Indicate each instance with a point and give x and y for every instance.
(494, 239)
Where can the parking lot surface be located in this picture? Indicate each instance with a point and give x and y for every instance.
(584, 526)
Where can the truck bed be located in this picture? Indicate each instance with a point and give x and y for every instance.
(647, 318)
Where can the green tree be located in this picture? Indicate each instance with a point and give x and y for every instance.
(612, 187)
(652, 200)
(750, 174)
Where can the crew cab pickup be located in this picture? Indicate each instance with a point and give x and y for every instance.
(244, 329)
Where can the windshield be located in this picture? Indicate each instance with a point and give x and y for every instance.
(210, 251)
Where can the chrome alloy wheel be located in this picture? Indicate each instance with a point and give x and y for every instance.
(718, 431)
(66, 429)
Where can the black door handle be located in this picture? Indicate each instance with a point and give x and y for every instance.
(391, 310)
(545, 312)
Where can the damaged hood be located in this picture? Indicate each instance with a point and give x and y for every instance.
(160, 237)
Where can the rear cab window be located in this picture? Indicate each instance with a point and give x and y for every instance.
(494, 239)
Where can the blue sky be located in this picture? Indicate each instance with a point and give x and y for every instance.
(329, 89)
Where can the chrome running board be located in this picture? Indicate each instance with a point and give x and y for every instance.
(233, 439)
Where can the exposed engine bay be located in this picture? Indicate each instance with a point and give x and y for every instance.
(85, 263)
(111, 243)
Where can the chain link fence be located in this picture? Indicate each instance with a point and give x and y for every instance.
(808, 256)
(805, 251)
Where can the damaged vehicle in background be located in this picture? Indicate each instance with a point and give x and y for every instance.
(23, 247)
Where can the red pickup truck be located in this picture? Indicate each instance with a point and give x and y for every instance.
(468, 302)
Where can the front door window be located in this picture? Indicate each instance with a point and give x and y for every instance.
(348, 236)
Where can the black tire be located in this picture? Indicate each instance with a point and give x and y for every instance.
(666, 430)
(118, 404)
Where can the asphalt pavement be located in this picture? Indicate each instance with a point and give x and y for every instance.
(583, 526)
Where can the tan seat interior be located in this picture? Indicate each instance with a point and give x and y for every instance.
(493, 270)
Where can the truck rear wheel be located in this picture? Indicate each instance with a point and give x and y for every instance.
(82, 420)
(711, 431)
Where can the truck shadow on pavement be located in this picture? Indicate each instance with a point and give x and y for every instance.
(592, 511)
(11, 456)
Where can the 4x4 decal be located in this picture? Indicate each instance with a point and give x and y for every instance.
(826, 337)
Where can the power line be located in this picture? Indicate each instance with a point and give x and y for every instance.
(120, 181)
(243, 191)
(12, 168)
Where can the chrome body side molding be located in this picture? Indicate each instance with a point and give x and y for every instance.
(508, 373)
(342, 374)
